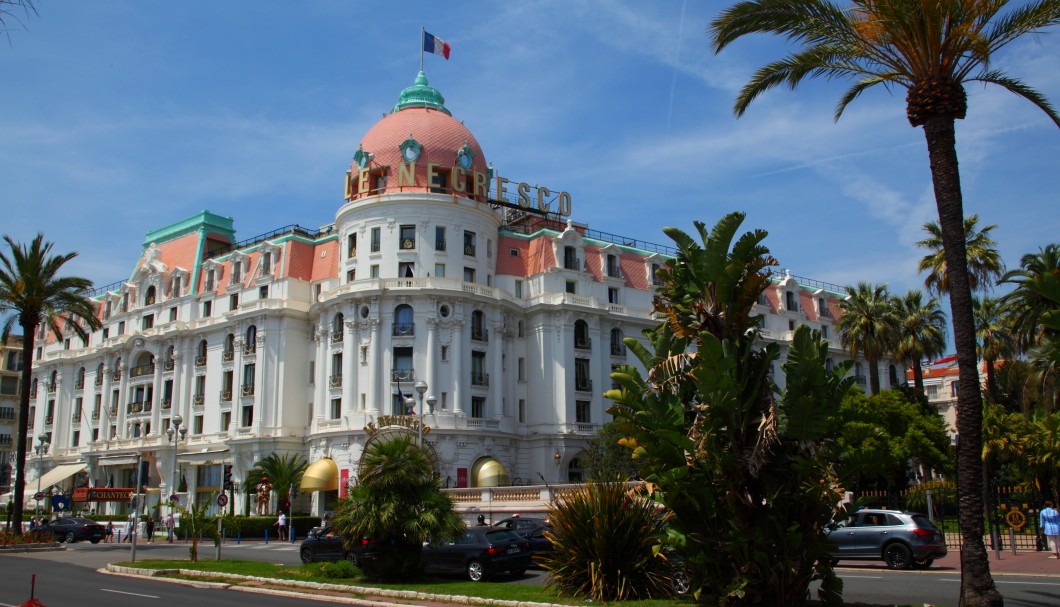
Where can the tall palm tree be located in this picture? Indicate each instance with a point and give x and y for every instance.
(32, 292)
(931, 49)
(283, 472)
(921, 332)
(1037, 281)
(984, 262)
(993, 333)
(868, 326)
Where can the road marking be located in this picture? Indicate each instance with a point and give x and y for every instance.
(997, 581)
(862, 577)
(147, 596)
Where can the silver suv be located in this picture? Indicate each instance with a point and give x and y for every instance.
(903, 540)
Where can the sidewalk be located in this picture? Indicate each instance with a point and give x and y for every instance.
(1021, 563)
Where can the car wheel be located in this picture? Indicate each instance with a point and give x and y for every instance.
(898, 556)
(518, 571)
(923, 563)
(680, 582)
(307, 555)
(475, 571)
(352, 557)
(70, 539)
(94, 541)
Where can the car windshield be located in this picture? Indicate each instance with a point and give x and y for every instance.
(499, 537)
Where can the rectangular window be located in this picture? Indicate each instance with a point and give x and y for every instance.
(176, 286)
(173, 314)
(439, 270)
(75, 439)
(373, 271)
(266, 262)
(406, 269)
(522, 410)
(351, 245)
(824, 331)
(263, 292)
(408, 238)
(570, 259)
(519, 289)
(233, 302)
(953, 389)
(478, 407)
(312, 371)
(789, 301)
(444, 355)
(237, 272)
(572, 287)
(121, 328)
(613, 269)
(248, 379)
(582, 380)
(822, 307)
(226, 420)
(9, 385)
(469, 274)
(521, 363)
(469, 243)
(207, 309)
(581, 411)
(200, 387)
(439, 238)
(376, 237)
(336, 408)
(351, 275)
(148, 321)
(196, 426)
(612, 295)
(248, 416)
(209, 280)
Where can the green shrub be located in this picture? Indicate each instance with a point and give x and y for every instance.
(338, 570)
(604, 541)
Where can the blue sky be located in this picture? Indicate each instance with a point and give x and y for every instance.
(121, 117)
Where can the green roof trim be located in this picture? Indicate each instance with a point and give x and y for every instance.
(420, 94)
(204, 222)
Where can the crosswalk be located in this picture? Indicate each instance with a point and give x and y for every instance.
(277, 546)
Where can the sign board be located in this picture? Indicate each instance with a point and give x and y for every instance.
(102, 494)
(344, 482)
(461, 477)
(222, 500)
(38, 496)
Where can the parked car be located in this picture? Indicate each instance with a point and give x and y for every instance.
(533, 529)
(324, 544)
(903, 540)
(479, 552)
(73, 529)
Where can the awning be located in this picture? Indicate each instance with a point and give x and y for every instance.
(488, 472)
(321, 475)
(127, 460)
(55, 476)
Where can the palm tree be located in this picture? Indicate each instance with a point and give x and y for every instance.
(868, 326)
(993, 333)
(7, 13)
(921, 332)
(931, 49)
(283, 472)
(398, 504)
(31, 293)
(1037, 282)
(984, 262)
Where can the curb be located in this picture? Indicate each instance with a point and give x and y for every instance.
(22, 548)
(382, 593)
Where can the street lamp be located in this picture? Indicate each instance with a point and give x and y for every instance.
(421, 389)
(42, 450)
(176, 433)
(134, 531)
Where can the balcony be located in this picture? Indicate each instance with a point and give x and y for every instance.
(860, 380)
(247, 390)
(403, 329)
(228, 356)
(250, 349)
(48, 419)
(226, 395)
(142, 370)
(374, 246)
(583, 384)
(336, 337)
(200, 361)
(167, 403)
(51, 387)
(572, 263)
(469, 250)
(29, 424)
(168, 365)
(197, 399)
(480, 334)
(335, 381)
(117, 375)
(98, 381)
(95, 415)
(583, 343)
(113, 411)
(397, 375)
(618, 349)
(33, 393)
(439, 244)
(79, 384)
(480, 379)
(148, 405)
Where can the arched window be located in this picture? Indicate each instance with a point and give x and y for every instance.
(617, 347)
(250, 343)
(200, 354)
(336, 327)
(575, 473)
(54, 379)
(81, 377)
(99, 374)
(230, 347)
(478, 326)
(404, 324)
(149, 296)
(581, 335)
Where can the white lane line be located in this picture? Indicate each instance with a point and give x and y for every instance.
(146, 596)
(862, 577)
(997, 581)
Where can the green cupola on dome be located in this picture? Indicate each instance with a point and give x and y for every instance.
(420, 94)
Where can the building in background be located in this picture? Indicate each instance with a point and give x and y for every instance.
(445, 300)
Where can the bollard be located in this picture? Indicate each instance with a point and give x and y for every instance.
(239, 537)
(1012, 540)
(119, 535)
(266, 537)
(292, 534)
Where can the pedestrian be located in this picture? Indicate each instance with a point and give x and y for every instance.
(1049, 522)
(149, 529)
(169, 528)
(281, 523)
(110, 531)
(481, 520)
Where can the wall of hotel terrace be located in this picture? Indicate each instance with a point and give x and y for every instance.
(310, 341)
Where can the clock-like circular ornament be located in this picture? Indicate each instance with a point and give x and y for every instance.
(362, 158)
(411, 149)
(465, 156)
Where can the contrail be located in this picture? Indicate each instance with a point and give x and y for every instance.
(677, 57)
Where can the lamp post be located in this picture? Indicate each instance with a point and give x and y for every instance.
(176, 433)
(421, 389)
(42, 450)
(135, 527)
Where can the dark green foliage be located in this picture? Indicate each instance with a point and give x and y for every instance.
(399, 505)
(283, 471)
(746, 474)
(337, 570)
(606, 460)
(605, 541)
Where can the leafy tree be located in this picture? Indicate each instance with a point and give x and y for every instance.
(1042, 450)
(283, 471)
(868, 326)
(31, 293)
(1037, 293)
(921, 332)
(931, 49)
(993, 333)
(745, 474)
(984, 262)
(606, 460)
(198, 524)
(399, 505)
(604, 539)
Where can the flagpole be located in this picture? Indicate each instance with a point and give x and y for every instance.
(421, 47)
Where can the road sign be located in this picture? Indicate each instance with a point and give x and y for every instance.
(38, 495)
(222, 500)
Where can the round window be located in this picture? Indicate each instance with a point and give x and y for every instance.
(364, 311)
(444, 311)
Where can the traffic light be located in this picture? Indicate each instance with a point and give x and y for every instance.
(228, 476)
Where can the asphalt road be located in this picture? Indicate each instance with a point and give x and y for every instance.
(69, 579)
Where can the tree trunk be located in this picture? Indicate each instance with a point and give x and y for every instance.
(991, 382)
(29, 333)
(918, 378)
(874, 374)
(977, 585)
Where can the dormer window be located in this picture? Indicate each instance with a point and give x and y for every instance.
(149, 296)
(176, 286)
(237, 271)
(613, 268)
(266, 262)
(210, 277)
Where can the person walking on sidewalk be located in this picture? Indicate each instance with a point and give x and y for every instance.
(1049, 521)
(281, 522)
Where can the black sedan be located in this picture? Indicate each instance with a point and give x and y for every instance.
(323, 544)
(533, 529)
(478, 553)
(73, 529)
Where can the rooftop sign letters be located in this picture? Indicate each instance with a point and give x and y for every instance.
(459, 180)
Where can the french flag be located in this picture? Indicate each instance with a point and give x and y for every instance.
(433, 44)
